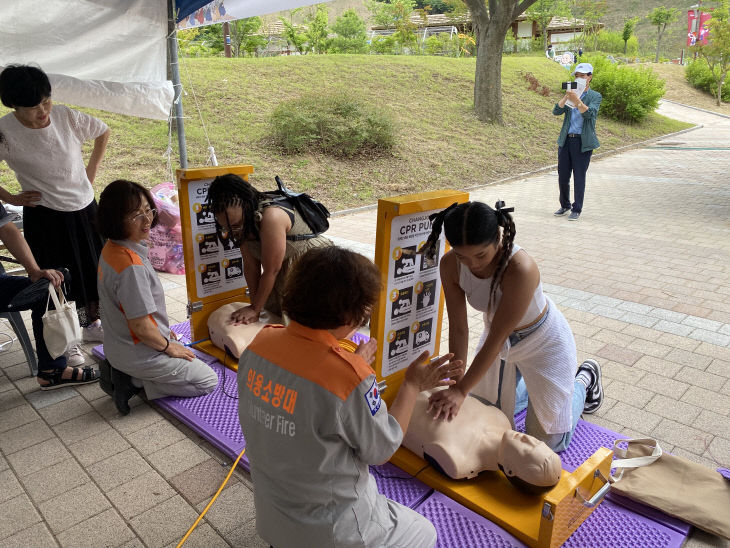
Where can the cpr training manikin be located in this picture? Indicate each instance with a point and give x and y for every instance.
(478, 439)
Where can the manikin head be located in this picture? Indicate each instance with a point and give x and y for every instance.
(528, 462)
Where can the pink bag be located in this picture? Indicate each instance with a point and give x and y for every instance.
(166, 249)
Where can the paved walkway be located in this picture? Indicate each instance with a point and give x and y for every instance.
(643, 278)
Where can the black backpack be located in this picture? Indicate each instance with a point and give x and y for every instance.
(314, 213)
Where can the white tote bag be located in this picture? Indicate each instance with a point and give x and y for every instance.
(61, 328)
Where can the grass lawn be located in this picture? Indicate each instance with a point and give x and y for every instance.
(440, 143)
(681, 91)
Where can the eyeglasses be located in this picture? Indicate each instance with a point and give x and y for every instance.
(148, 214)
(233, 233)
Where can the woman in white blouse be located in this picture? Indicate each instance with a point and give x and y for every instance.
(42, 145)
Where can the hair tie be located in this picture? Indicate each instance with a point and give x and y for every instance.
(500, 210)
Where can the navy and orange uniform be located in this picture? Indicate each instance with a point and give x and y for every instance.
(313, 421)
(129, 288)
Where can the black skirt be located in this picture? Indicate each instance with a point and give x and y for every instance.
(67, 239)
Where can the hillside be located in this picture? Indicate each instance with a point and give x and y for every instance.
(675, 37)
(440, 143)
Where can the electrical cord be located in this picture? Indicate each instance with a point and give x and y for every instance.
(225, 481)
(223, 381)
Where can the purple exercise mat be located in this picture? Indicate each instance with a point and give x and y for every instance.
(215, 417)
(400, 486)
(614, 526)
(456, 525)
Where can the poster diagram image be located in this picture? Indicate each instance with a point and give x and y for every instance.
(422, 332)
(425, 294)
(207, 244)
(210, 274)
(203, 215)
(405, 261)
(226, 241)
(398, 342)
(427, 263)
(233, 268)
(402, 302)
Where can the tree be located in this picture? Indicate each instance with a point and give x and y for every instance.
(661, 17)
(243, 36)
(629, 24)
(716, 52)
(543, 11)
(435, 6)
(317, 29)
(592, 11)
(351, 34)
(490, 28)
(294, 34)
(397, 14)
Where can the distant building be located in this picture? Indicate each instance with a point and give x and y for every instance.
(560, 29)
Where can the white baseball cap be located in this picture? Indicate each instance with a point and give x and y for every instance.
(583, 68)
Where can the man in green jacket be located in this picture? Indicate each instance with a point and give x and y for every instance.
(577, 139)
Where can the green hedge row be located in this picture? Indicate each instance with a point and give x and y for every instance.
(629, 94)
(700, 76)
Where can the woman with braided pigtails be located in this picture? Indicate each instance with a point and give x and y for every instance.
(527, 346)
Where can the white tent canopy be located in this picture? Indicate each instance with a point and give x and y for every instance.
(114, 52)
(106, 54)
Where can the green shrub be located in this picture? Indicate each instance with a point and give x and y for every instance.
(336, 124)
(442, 44)
(629, 94)
(350, 34)
(700, 76)
(384, 45)
(612, 42)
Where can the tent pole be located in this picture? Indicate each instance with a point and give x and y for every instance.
(177, 86)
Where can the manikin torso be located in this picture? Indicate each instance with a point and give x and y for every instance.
(232, 338)
(478, 439)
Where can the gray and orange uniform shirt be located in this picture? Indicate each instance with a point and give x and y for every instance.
(313, 420)
(130, 288)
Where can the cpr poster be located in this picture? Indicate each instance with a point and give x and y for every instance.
(218, 263)
(414, 288)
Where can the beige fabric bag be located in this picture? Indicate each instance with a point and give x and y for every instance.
(677, 486)
(60, 326)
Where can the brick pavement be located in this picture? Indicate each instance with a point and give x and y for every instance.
(643, 278)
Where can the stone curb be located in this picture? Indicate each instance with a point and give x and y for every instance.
(697, 108)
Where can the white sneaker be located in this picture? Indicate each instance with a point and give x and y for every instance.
(74, 356)
(93, 332)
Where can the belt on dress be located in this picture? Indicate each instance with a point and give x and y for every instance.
(517, 336)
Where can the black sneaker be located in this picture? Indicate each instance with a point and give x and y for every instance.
(562, 211)
(594, 392)
(574, 216)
